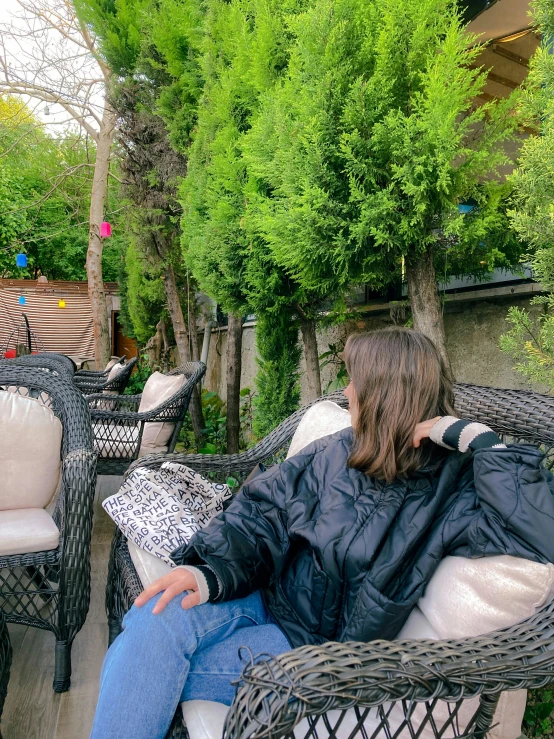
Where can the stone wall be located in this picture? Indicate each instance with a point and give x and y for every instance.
(473, 327)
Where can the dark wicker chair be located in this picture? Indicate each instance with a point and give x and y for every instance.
(275, 694)
(51, 589)
(118, 426)
(89, 385)
(63, 358)
(5, 662)
(42, 362)
(99, 374)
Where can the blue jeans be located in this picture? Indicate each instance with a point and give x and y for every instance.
(160, 660)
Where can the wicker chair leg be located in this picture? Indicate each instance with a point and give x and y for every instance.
(487, 707)
(114, 630)
(62, 668)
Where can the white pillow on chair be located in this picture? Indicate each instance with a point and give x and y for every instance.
(322, 419)
(30, 452)
(158, 389)
(30, 472)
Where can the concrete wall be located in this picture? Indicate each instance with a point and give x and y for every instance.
(473, 328)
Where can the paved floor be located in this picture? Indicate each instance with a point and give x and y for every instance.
(33, 710)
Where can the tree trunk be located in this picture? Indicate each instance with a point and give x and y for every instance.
(234, 361)
(193, 329)
(425, 301)
(196, 400)
(96, 292)
(313, 376)
(181, 339)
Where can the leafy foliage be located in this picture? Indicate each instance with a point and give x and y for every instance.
(45, 187)
(364, 151)
(537, 720)
(214, 433)
(530, 341)
(277, 382)
(335, 358)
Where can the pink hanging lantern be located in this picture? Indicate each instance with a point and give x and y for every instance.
(105, 230)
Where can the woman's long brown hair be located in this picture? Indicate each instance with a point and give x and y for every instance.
(400, 379)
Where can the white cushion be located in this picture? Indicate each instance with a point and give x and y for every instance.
(114, 371)
(27, 530)
(469, 597)
(158, 389)
(30, 452)
(322, 419)
(148, 566)
(204, 719)
(111, 364)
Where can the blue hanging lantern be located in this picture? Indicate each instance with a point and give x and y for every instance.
(21, 260)
(22, 300)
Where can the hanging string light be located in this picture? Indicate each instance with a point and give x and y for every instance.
(22, 300)
(61, 303)
(105, 230)
(21, 260)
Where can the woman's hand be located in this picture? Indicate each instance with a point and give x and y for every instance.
(422, 430)
(174, 583)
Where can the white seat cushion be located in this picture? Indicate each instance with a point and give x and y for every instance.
(322, 419)
(158, 389)
(30, 452)
(148, 566)
(204, 719)
(111, 364)
(27, 530)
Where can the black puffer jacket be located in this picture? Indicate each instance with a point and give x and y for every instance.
(340, 556)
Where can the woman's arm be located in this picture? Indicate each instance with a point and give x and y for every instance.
(241, 549)
(515, 491)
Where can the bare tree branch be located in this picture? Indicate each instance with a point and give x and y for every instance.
(48, 54)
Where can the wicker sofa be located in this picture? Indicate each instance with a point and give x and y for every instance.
(119, 425)
(45, 576)
(324, 686)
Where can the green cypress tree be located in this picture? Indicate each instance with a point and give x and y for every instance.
(244, 51)
(364, 151)
(530, 340)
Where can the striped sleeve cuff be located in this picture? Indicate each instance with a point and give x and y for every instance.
(459, 435)
(208, 582)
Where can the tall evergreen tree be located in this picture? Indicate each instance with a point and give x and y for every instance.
(364, 152)
(150, 165)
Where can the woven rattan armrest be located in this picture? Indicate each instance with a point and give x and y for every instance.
(275, 694)
(97, 373)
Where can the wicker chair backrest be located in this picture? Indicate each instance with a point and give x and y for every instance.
(175, 407)
(44, 362)
(518, 415)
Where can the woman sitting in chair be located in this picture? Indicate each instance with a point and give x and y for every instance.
(335, 544)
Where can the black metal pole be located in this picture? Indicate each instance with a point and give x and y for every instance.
(28, 333)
